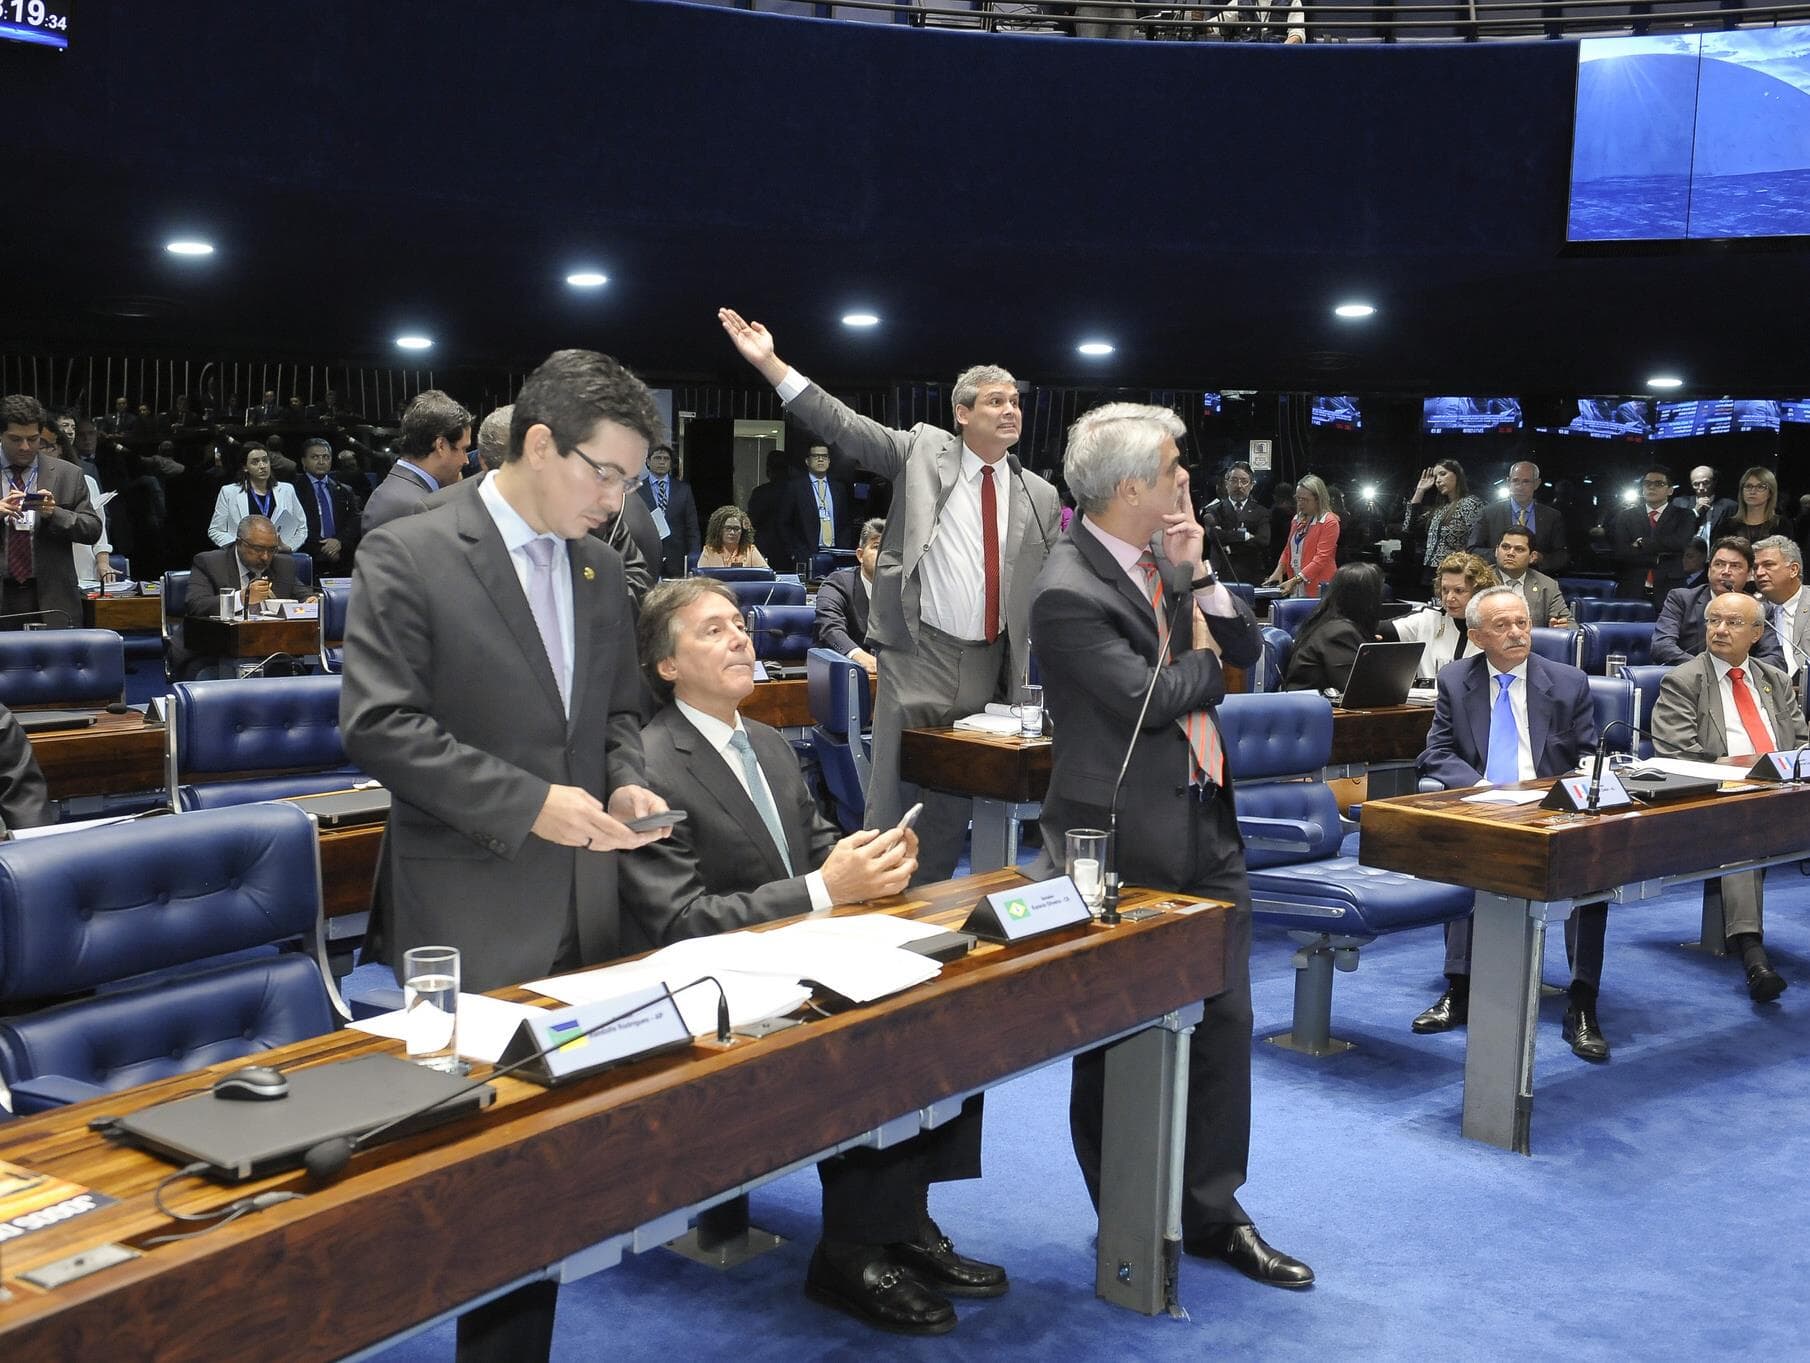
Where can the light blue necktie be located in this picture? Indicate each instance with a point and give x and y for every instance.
(544, 606)
(757, 792)
(1504, 738)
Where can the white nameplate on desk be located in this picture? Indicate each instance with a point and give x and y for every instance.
(648, 1022)
(284, 609)
(1026, 911)
(1572, 793)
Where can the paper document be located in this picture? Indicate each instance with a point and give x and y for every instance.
(875, 929)
(990, 724)
(1678, 766)
(752, 998)
(661, 524)
(485, 1025)
(51, 830)
(1498, 796)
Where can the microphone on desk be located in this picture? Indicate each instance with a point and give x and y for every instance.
(326, 1160)
(1602, 756)
(38, 615)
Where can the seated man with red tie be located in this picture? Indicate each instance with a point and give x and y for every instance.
(1503, 715)
(1727, 703)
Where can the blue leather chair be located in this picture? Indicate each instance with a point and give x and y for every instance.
(304, 568)
(335, 601)
(1272, 664)
(841, 713)
(1288, 612)
(738, 574)
(781, 633)
(1587, 609)
(1304, 870)
(1597, 640)
(1603, 588)
(826, 561)
(67, 667)
(752, 592)
(1645, 678)
(1555, 645)
(172, 603)
(136, 951)
(259, 739)
(1613, 698)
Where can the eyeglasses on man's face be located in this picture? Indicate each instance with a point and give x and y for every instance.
(607, 474)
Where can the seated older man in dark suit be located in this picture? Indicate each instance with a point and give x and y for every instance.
(250, 564)
(754, 848)
(1729, 703)
(842, 599)
(1501, 716)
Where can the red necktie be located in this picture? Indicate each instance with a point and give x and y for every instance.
(1206, 755)
(989, 548)
(1652, 528)
(1749, 712)
(18, 542)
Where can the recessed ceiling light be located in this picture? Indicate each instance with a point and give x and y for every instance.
(587, 279)
(189, 246)
(1095, 347)
(860, 319)
(1665, 381)
(1354, 310)
(414, 342)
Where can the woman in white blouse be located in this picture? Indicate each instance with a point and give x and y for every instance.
(256, 494)
(1461, 576)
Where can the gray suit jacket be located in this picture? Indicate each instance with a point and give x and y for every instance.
(923, 464)
(450, 701)
(719, 869)
(75, 521)
(1545, 598)
(1687, 717)
(398, 494)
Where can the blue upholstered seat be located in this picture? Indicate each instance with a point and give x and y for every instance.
(1287, 613)
(841, 713)
(1272, 664)
(766, 591)
(1586, 609)
(1602, 588)
(1555, 645)
(781, 633)
(737, 574)
(61, 667)
(273, 736)
(826, 561)
(172, 602)
(1645, 678)
(1600, 638)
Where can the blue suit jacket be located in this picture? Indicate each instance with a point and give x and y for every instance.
(1561, 724)
(1678, 633)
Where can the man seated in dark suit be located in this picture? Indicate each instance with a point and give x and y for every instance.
(1542, 522)
(1114, 616)
(842, 599)
(24, 800)
(1728, 702)
(1647, 540)
(819, 512)
(252, 565)
(1501, 716)
(1242, 524)
(1678, 633)
(332, 512)
(754, 849)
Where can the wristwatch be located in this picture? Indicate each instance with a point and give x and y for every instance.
(1202, 583)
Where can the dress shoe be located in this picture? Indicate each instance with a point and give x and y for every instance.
(932, 1260)
(864, 1281)
(1586, 1038)
(1764, 984)
(1245, 1250)
(1450, 1010)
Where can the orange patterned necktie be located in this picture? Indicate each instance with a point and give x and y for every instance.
(1206, 754)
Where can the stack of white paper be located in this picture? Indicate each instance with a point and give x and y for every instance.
(485, 1025)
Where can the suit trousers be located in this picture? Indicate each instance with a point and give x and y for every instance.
(1743, 899)
(1585, 930)
(938, 682)
(1218, 1141)
(876, 1197)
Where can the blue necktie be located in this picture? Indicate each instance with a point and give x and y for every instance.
(324, 501)
(1504, 738)
(757, 792)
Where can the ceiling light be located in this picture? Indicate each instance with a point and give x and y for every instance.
(1095, 347)
(587, 279)
(413, 342)
(189, 247)
(1354, 310)
(1665, 381)
(1368, 492)
(1629, 496)
(860, 319)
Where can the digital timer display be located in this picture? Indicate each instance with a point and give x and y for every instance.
(43, 23)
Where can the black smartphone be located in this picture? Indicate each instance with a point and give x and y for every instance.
(647, 823)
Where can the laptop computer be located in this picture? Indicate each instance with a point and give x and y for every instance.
(345, 808)
(1381, 675)
(237, 1139)
(45, 721)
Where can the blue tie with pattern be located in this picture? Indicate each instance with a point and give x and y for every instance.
(757, 792)
(1504, 737)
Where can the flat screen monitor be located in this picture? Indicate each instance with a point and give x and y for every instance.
(1338, 413)
(1469, 416)
(1754, 415)
(1605, 419)
(1699, 416)
(1797, 411)
(1685, 136)
(1212, 403)
(39, 23)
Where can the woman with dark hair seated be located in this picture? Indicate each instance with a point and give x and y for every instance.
(729, 541)
(1328, 640)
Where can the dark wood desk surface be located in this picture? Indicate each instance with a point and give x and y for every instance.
(421, 1226)
(116, 755)
(1526, 852)
(251, 638)
(783, 704)
(127, 614)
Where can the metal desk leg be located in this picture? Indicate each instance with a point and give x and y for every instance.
(1506, 944)
(1711, 934)
(1139, 1248)
(995, 836)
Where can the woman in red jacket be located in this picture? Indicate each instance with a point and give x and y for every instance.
(1310, 552)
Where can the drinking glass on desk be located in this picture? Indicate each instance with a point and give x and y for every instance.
(1085, 865)
(430, 1004)
(1030, 710)
(1615, 664)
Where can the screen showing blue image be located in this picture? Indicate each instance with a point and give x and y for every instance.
(1469, 416)
(1756, 416)
(1606, 419)
(1704, 416)
(1798, 411)
(1692, 136)
(1212, 403)
(1338, 413)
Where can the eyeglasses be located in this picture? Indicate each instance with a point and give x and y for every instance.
(608, 475)
(1754, 487)
(1730, 622)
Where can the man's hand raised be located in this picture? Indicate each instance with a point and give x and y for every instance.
(755, 343)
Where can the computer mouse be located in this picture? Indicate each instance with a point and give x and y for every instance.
(1649, 777)
(254, 1083)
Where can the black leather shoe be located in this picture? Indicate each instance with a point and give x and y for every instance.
(865, 1282)
(1245, 1250)
(1764, 984)
(932, 1260)
(1451, 1009)
(1586, 1038)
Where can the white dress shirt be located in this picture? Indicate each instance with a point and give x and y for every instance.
(1738, 743)
(1437, 633)
(717, 734)
(516, 534)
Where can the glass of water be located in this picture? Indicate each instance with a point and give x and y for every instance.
(430, 1003)
(1030, 710)
(1615, 664)
(1086, 865)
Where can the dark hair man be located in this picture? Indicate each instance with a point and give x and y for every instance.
(1647, 540)
(44, 509)
(843, 599)
(1678, 633)
(436, 433)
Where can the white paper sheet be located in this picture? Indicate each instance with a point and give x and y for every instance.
(1678, 766)
(1505, 797)
(989, 724)
(485, 1025)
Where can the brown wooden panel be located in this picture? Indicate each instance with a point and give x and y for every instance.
(118, 754)
(1396, 734)
(419, 1227)
(127, 614)
(991, 766)
(348, 862)
(251, 638)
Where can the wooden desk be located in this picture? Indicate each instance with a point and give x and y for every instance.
(251, 638)
(1369, 738)
(1530, 866)
(125, 614)
(783, 704)
(116, 755)
(570, 1177)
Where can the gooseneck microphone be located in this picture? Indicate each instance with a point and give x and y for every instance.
(39, 615)
(1602, 756)
(325, 1160)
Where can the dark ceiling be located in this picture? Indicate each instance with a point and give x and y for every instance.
(440, 166)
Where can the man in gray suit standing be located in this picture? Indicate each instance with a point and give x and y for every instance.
(1727, 703)
(966, 535)
(436, 433)
(44, 508)
(491, 685)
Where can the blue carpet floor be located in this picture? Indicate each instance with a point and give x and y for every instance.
(1662, 1215)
